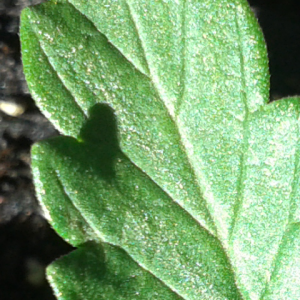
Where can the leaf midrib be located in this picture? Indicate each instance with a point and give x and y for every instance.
(240, 182)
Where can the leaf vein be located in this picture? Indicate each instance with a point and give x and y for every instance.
(184, 61)
(57, 74)
(240, 182)
(290, 221)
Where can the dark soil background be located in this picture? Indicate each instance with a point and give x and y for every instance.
(27, 243)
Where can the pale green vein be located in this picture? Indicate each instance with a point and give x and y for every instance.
(240, 182)
(57, 74)
(295, 181)
(184, 61)
(140, 40)
(137, 30)
(276, 258)
(66, 196)
(276, 261)
(120, 50)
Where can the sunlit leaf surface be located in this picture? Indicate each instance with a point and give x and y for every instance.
(174, 178)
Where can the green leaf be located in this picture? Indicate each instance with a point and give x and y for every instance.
(176, 168)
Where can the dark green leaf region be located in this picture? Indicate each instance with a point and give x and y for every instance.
(173, 176)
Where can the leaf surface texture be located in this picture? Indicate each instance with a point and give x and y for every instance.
(175, 167)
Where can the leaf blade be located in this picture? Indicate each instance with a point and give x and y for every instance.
(199, 148)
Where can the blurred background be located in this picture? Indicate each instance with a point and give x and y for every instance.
(27, 243)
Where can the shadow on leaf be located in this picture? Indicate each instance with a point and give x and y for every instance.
(97, 147)
(100, 140)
